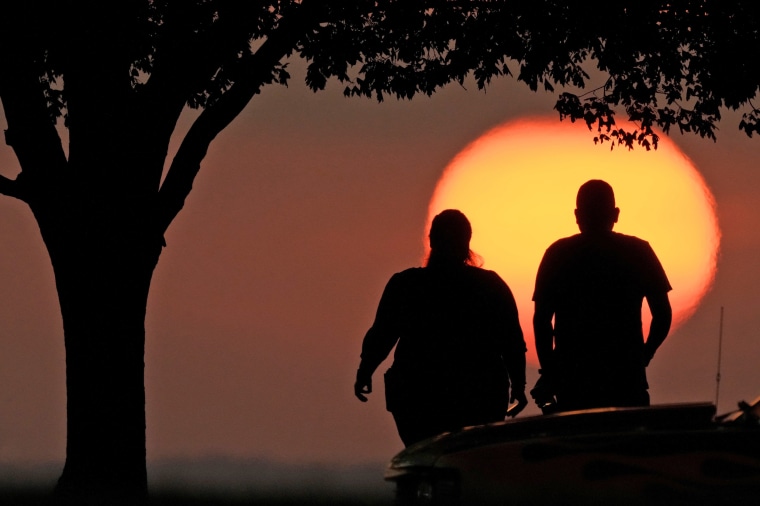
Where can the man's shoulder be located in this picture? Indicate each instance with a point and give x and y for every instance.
(579, 246)
(579, 240)
(629, 239)
(565, 243)
(632, 245)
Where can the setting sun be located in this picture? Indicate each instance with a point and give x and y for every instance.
(517, 184)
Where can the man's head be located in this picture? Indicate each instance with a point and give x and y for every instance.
(595, 207)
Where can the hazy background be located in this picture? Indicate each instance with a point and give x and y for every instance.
(302, 210)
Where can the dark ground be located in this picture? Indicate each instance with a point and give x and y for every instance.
(31, 497)
(222, 481)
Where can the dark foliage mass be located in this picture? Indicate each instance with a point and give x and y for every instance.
(666, 64)
(118, 75)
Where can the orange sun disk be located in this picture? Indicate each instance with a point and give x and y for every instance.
(517, 184)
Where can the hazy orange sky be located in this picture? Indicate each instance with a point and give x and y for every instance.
(303, 209)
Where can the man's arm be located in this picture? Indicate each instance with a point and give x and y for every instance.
(543, 332)
(662, 317)
(545, 390)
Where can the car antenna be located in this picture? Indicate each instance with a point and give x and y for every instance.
(720, 347)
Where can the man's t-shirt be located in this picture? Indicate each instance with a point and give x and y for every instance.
(595, 285)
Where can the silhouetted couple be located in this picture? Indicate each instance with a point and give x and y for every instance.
(459, 346)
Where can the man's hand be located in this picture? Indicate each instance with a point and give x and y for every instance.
(518, 401)
(363, 385)
(544, 393)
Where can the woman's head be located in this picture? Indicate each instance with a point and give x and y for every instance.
(450, 234)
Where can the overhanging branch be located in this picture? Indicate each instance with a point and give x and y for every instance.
(186, 163)
(10, 188)
(257, 70)
(31, 131)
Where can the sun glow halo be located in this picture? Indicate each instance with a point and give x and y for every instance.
(517, 184)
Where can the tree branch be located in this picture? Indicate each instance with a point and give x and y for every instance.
(258, 70)
(187, 59)
(192, 151)
(10, 188)
(31, 131)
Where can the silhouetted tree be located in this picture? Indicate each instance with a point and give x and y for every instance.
(118, 74)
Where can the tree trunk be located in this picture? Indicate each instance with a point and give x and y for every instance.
(103, 277)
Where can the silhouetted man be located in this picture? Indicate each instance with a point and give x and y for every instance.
(593, 284)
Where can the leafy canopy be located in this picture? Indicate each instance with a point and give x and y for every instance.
(665, 63)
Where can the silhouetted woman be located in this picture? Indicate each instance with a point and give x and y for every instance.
(458, 340)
